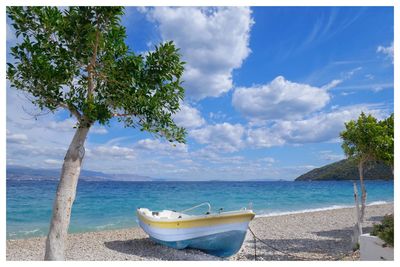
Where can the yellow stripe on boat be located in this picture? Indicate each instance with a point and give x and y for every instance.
(198, 222)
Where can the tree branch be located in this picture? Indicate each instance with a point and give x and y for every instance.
(100, 74)
(92, 64)
(73, 110)
(123, 114)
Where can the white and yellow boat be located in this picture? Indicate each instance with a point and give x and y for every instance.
(220, 234)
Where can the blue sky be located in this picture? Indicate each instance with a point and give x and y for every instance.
(268, 90)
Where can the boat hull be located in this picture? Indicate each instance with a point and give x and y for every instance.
(221, 238)
(221, 244)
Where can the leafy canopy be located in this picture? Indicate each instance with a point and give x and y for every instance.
(77, 59)
(367, 139)
(386, 148)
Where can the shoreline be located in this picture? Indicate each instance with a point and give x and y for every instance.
(332, 207)
(315, 235)
(266, 215)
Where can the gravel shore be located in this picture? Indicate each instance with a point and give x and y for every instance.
(321, 235)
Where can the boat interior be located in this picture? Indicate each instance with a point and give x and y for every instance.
(174, 215)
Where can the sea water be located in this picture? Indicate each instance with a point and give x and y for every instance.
(112, 204)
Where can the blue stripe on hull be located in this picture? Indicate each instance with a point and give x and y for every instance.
(222, 244)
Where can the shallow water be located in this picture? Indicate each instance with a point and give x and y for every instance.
(112, 205)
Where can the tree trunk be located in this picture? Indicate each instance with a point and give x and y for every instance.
(358, 227)
(363, 191)
(56, 238)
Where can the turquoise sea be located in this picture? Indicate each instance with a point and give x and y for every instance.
(111, 205)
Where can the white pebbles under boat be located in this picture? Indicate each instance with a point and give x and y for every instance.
(220, 234)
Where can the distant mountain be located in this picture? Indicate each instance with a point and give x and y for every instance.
(347, 170)
(24, 173)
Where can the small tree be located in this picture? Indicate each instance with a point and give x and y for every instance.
(77, 60)
(361, 143)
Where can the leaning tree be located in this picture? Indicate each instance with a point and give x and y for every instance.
(77, 59)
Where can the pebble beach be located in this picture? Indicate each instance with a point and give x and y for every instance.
(319, 235)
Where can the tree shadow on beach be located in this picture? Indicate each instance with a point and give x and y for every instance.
(296, 249)
(344, 234)
(335, 246)
(150, 250)
(375, 219)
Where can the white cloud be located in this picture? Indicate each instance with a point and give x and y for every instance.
(118, 140)
(16, 138)
(388, 51)
(267, 159)
(347, 93)
(219, 115)
(186, 161)
(323, 127)
(113, 152)
(33, 140)
(98, 130)
(222, 137)
(209, 155)
(46, 146)
(213, 42)
(345, 76)
(350, 73)
(280, 99)
(331, 85)
(330, 155)
(264, 137)
(53, 162)
(369, 76)
(188, 117)
(10, 34)
(369, 86)
(42, 143)
(160, 146)
(66, 125)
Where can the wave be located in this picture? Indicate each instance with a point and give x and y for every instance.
(379, 203)
(279, 213)
(29, 231)
(105, 226)
(333, 207)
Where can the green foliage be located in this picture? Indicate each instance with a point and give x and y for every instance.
(385, 230)
(347, 170)
(77, 59)
(386, 147)
(369, 139)
(360, 137)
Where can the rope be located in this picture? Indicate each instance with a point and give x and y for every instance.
(255, 244)
(278, 250)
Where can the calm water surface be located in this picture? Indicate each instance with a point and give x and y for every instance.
(111, 204)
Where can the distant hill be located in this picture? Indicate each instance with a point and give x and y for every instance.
(24, 173)
(347, 170)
